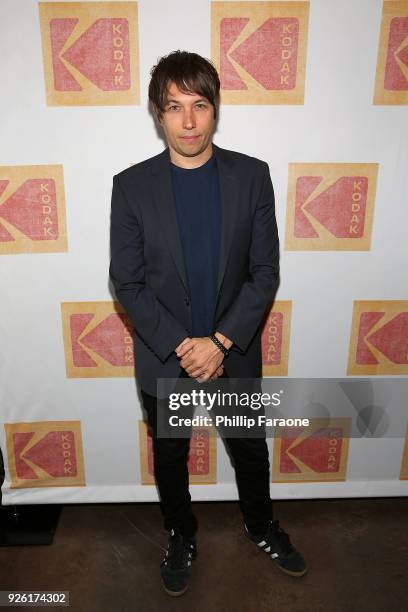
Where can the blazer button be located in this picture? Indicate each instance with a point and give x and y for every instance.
(187, 301)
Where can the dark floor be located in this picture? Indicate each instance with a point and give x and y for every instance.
(108, 557)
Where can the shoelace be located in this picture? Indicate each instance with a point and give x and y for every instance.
(178, 552)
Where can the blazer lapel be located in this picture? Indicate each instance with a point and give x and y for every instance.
(166, 209)
(228, 200)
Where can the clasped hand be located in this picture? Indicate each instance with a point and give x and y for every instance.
(200, 358)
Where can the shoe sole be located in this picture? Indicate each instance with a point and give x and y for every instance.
(296, 574)
(174, 593)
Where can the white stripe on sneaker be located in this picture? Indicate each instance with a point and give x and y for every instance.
(267, 549)
(274, 555)
(262, 543)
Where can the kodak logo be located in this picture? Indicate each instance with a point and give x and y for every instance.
(330, 206)
(98, 340)
(315, 453)
(260, 51)
(32, 209)
(391, 83)
(90, 52)
(45, 454)
(379, 338)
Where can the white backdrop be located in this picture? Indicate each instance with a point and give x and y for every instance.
(337, 123)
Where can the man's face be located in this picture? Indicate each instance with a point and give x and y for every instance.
(188, 122)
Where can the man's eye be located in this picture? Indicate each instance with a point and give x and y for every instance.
(201, 105)
(171, 108)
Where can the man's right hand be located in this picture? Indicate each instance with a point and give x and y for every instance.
(219, 371)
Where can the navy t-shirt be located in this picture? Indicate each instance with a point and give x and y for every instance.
(196, 193)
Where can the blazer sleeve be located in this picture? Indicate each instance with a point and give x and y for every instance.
(152, 321)
(243, 318)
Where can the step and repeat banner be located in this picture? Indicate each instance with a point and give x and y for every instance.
(319, 90)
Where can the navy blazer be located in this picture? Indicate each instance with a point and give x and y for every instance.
(147, 265)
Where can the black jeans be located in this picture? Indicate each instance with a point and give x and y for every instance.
(251, 462)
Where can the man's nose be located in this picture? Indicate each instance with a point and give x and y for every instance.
(188, 119)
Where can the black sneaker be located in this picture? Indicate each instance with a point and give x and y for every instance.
(175, 568)
(277, 544)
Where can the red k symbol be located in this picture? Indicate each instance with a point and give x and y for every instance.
(396, 67)
(388, 336)
(338, 206)
(31, 209)
(268, 54)
(109, 338)
(100, 53)
(53, 453)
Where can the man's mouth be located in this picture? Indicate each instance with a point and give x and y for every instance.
(189, 138)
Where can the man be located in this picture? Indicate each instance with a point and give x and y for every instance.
(195, 263)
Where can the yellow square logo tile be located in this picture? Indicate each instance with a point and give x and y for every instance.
(391, 81)
(259, 49)
(317, 453)
(45, 454)
(379, 338)
(275, 339)
(90, 53)
(32, 209)
(98, 340)
(202, 461)
(330, 206)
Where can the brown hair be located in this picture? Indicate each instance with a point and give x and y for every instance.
(190, 72)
